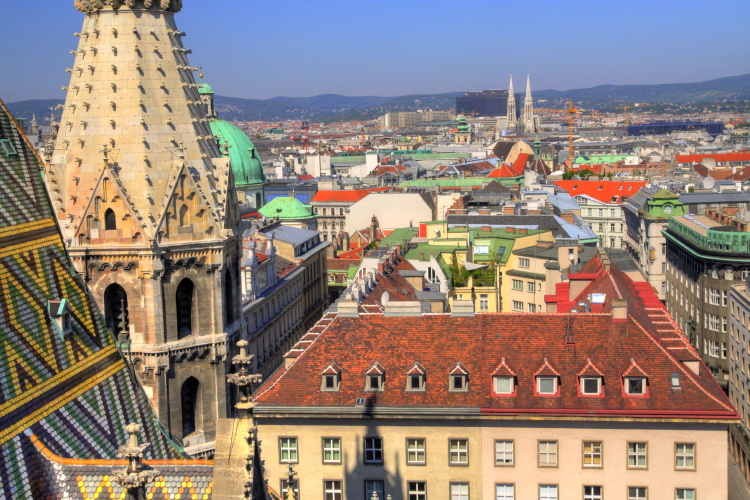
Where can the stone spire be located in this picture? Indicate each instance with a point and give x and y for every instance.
(132, 88)
(528, 108)
(510, 123)
(147, 207)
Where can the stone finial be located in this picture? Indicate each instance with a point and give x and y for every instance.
(374, 496)
(135, 476)
(243, 378)
(290, 482)
(89, 6)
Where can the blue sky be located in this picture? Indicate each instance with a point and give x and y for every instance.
(261, 49)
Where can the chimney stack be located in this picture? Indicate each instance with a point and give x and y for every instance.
(619, 310)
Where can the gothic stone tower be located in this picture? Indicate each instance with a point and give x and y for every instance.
(528, 109)
(147, 205)
(510, 122)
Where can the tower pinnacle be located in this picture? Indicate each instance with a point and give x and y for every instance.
(528, 108)
(510, 122)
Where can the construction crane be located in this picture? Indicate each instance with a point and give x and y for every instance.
(571, 129)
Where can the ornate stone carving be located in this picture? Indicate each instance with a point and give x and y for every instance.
(135, 476)
(89, 6)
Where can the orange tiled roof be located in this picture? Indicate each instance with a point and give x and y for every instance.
(604, 191)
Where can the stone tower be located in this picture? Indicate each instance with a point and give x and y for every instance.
(528, 108)
(147, 205)
(510, 122)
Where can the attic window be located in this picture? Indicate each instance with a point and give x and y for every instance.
(375, 377)
(458, 378)
(635, 386)
(591, 386)
(546, 385)
(674, 380)
(601, 186)
(331, 378)
(504, 384)
(60, 311)
(415, 377)
(8, 147)
(620, 188)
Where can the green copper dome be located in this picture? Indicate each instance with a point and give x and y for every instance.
(204, 88)
(286, 208)
(246, 164)
(462, 125)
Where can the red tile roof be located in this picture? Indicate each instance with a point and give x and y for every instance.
(393, 283)
(527, 342)
(355, 253)
(345, 195)
(340, 264)
(718, 157)
(611, 192)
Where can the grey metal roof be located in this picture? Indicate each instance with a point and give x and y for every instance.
(289, 234)
(696, 198)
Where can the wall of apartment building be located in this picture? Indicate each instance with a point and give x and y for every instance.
(331, 219)
(660, 476)
(698, 299)
(647, 245)
(739, 371)
(605, 220)
(274, 323)
(393, 210)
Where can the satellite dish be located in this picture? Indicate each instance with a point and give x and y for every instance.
(385, 298)
(709, 182)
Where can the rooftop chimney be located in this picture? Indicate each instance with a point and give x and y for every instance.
(403, 308)
(619, 310)
(568, 217)
(462, 308)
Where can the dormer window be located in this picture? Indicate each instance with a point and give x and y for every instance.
(60, 311)
(590, 380)
(504, 379)
(546, 385)
(635, 386)
(635, 379)
(458, 379)
(415, 377)
(591, 386)
(331, 378)
(547, 379)
(375, 377)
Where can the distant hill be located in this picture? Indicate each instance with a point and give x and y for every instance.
(332, 107)
(38, 107)
(732, 88)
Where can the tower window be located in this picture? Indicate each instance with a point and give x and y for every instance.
(183, 216)
(116, 309)
(184, 299)
(110, 221)
(189, 398)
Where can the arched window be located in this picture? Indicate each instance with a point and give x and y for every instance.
(116, 309)
(190, 394)
(110, 222)
(184, 299)
(229, 296)
(183, 215)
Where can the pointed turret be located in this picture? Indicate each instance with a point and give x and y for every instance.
(528, 108)
(510, 122)
(148, 208)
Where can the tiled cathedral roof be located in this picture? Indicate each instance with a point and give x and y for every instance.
(66, 394)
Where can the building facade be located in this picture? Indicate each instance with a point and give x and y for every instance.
(457, 408)
(601, 205)
(148, 210)
(646, 214)
(706, 256)
(739, 373)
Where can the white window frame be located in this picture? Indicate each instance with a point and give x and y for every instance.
(524, 262)
(332, 490)
(635, 453)
(459, 455)
(631, 392)
(539, 385)
(501, 378)
(518, 305)
(517, 285)
(598, 381)
(416, 451)
(682, 494)
(331, 448)
(288, 445)
(634, 492)
(373, 446)
(549, 450)
(417, 490)
(459, 491)
(505, 448)
(593, 492)
(589, 456)
(548, 492)
(506, 491)
(684, 456)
